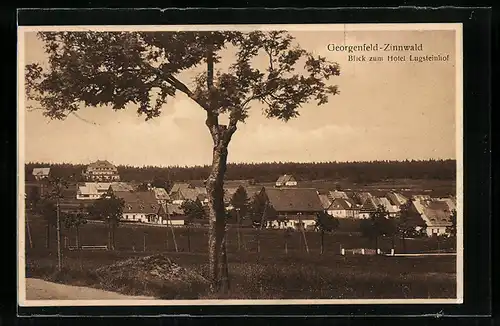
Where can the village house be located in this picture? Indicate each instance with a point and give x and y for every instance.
(343, 208)
(396, 199)
(372, 203)
(171, 214)
(41, 173)
(95, 190)
(187, 193)
(295, 207)
(140, 206)
(179, 186)
(160, 194)
(337, 194)
(325, 201)
(361, 197)
(102, 171)
(286, 180)
(435, 213)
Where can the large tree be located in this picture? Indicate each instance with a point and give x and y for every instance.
(145, 69)
(108, 208)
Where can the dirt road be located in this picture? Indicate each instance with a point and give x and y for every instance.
(37, 289)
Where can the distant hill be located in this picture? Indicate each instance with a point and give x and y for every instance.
(356, 172)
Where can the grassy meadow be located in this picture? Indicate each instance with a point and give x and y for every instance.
(271, 273)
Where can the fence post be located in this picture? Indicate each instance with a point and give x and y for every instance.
(392, 252)
(378, 251)
(342, 251)
(362, 251)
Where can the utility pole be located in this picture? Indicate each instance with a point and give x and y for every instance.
(302, 228)
(58, 221)
(238, 230)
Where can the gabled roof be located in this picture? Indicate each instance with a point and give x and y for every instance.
(363, 196)
(372, 203)
(325, 201)
(340, 204)
(253, 190)
(285, 178)
(173, 209)
(396, 199)
(121, 186)
(369, 205)
(433, 212)
(179, 186)
(337, 194)
(387, 205)
(294, 199)
(41, 172)
(101, 165)
(161, 194)
(139, 202)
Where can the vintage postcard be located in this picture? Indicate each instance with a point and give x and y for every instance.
(245, 164)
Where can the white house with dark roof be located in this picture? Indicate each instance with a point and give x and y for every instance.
(435, 213)
(41, 173)
(372, 203)
(286, 180)
(343, 208)
(295, 207)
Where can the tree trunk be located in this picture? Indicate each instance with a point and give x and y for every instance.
(238, 230)
(224, 272)
(217, 221)
(59, 250)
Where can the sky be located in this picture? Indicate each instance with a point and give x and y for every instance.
(385, 111)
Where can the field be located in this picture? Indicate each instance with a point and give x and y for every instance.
(270, 273)
(408, 187)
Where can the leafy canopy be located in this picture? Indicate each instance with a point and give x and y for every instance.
(240, 201)
(108, 208)
(193, 209)
(326, 222)
(142, 68)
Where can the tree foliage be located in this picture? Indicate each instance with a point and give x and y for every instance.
(48, 210)
(452, 229)
(326, 222)
(108, 208)
(75, 219)
(378, 224)
(409, 221)
(240, 201)
(121, 68)
(260, 212)
(193, 209)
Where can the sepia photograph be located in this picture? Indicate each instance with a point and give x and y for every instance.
(240, 164)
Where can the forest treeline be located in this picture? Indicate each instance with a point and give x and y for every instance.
(358, 172)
